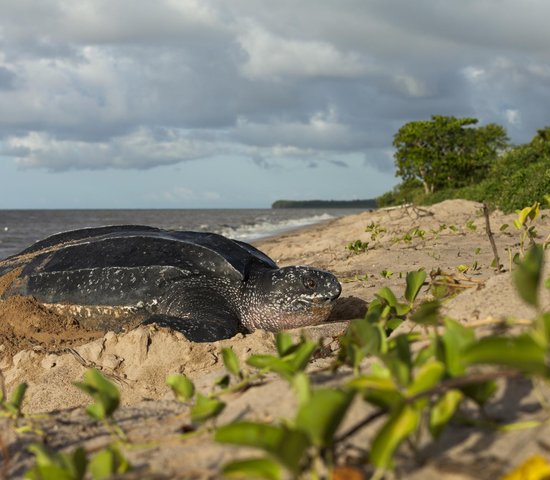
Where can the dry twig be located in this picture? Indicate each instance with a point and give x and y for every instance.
(491, 237)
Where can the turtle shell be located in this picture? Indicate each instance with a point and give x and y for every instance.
(115, 265)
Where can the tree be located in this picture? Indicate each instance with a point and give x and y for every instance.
(447, 152)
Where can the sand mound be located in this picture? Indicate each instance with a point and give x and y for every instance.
(138, 361)
(26, 324)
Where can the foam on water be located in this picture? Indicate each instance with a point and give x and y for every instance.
(255, 231)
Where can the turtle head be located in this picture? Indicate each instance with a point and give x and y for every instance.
(290, 297)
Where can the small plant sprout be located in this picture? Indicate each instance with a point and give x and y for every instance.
(524, 223)
(12, 407)
(375, 230)
(358, 247)
(51, 465)
(107, 400)
(386, 273)
(203, 407)
(470, 225)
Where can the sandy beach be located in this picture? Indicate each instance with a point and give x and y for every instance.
(49, 351)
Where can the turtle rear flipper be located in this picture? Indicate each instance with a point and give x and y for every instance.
(198, 328)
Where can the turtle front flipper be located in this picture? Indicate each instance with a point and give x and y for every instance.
(197, 327)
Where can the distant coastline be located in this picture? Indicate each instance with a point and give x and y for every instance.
(368, 203)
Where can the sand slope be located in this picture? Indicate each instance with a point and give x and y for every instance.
(49, 351)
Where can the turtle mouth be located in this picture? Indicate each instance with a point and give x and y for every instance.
(318, 300)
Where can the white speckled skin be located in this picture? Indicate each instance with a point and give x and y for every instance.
(269, 299)
(290, 297)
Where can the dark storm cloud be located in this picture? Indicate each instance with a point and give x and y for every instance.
(131, 84)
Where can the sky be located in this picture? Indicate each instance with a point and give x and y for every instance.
(238, 103)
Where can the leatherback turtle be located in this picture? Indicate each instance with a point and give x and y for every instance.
(202, 284)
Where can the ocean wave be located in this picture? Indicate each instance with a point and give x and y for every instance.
(262, 229)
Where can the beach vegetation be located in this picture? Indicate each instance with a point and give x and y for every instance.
(358, 246)
(108, 462)
(447, 152)
(446, 158)
(11, 407)
(386, 273)
(375, 230)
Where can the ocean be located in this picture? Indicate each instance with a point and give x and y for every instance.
(21, 228)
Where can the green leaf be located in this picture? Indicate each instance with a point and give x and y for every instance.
(48, 472)
(375, 311)
(51, 465)
(108, 462)
(17, 396)
(321, 416)
(415, 280)
(528, 275)
(366, 382)
(254, 468)
(231, 361)
(543, 327)
(401, 423)
(522, 216)
(521, 352)
(399, 360)
(286, 445)
(283, 341)
(42, 454)
(425, 354)
(402, 309)
(427, 313)
(223, 381)
(79, 462)
(454, 340)
(526, 425)
(275, 364)
(503, 227)
(369, 337)
(104, 392)
(183, 388)
(386, 294)
(443, 411)
(480, 392)
(379, 389)
(300, 357)
(427, 377)
(302, 387)
(205, 408)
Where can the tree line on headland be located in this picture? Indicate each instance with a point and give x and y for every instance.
(448, 157)
(369, 203)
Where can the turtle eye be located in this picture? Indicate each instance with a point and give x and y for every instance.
(309, 283)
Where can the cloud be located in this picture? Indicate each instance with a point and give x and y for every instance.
(97, 84)
(140, 149)
(271, 56)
